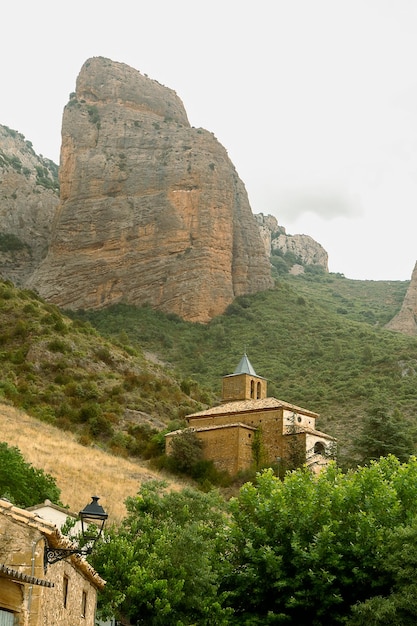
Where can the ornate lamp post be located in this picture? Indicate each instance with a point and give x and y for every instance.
(93, 518)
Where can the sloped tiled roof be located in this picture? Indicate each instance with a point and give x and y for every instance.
(243, 406)
(55, 507)
(14, 574)
(312, 431)
(213, 427)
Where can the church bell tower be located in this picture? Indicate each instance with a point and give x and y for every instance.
(243, 384)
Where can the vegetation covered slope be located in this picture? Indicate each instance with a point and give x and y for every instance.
(63, 372)
(79, 471)
(319, 340)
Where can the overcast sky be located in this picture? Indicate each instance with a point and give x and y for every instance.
(314, 100)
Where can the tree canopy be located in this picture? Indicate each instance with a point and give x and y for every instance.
(23, 484)
(335, 548)
(162, 565)
(308, 549)
(385, 433)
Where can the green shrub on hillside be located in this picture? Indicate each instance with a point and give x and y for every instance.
(11, 243)
(63, 372)
(23, 484)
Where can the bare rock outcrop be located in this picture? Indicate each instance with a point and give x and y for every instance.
(303, 247)
(152, 210)
(29, 195)
(406, 319)
(268, 229)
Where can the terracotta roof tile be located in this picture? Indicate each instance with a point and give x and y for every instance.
(240, 406)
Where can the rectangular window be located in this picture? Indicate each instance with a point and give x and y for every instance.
(65, 591)
(6, 618)
(84, 604)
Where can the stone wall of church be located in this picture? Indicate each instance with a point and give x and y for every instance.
(229, 447)
(268, 421)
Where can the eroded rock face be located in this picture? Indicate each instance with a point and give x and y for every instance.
(304, 247)
(28, 199)
(309, 251)
(406, 319)
(152, 210)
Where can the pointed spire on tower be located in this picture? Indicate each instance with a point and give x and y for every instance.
(245, 367)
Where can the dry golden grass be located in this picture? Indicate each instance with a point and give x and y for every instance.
(80, 472)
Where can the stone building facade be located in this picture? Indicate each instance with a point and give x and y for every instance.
(32, 594)
(250, 430)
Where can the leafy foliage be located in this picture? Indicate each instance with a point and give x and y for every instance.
(23, 484)
(339, 364)
(336, 548)
(187, 450)
(306, 550)
(399, 606)
(382, 434)
(162, 565)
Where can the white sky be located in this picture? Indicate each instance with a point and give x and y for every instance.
(314, 100)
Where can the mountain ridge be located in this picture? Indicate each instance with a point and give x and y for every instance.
(200, 235)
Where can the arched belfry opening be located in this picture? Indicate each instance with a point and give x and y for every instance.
(258, 390)
(244, 383)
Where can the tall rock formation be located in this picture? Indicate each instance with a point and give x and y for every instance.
(304, 248)
(152, 210)
(309, 251)
(29, 195)
(406, 319)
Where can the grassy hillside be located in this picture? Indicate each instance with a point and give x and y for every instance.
(80, 472)
(319, 340)
(369, 301)
(62, 372)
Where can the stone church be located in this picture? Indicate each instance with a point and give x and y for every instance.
(251, 430)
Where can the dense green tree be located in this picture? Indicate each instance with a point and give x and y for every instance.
(186, 450)
(23, 484)
(335, 548)
(385, 433)
(399, 607)
(303, 551)
(162, 565)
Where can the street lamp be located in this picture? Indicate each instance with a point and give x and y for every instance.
(93, 518)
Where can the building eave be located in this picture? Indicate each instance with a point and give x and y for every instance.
(250, 406)
(16, 575)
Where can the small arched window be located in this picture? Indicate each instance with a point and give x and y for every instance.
(258, 390)
(319, 447)
(252, 389)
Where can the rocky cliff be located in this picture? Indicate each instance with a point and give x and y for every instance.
(302, 248)
(28, 199)
(151, 209)
(406, 319)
